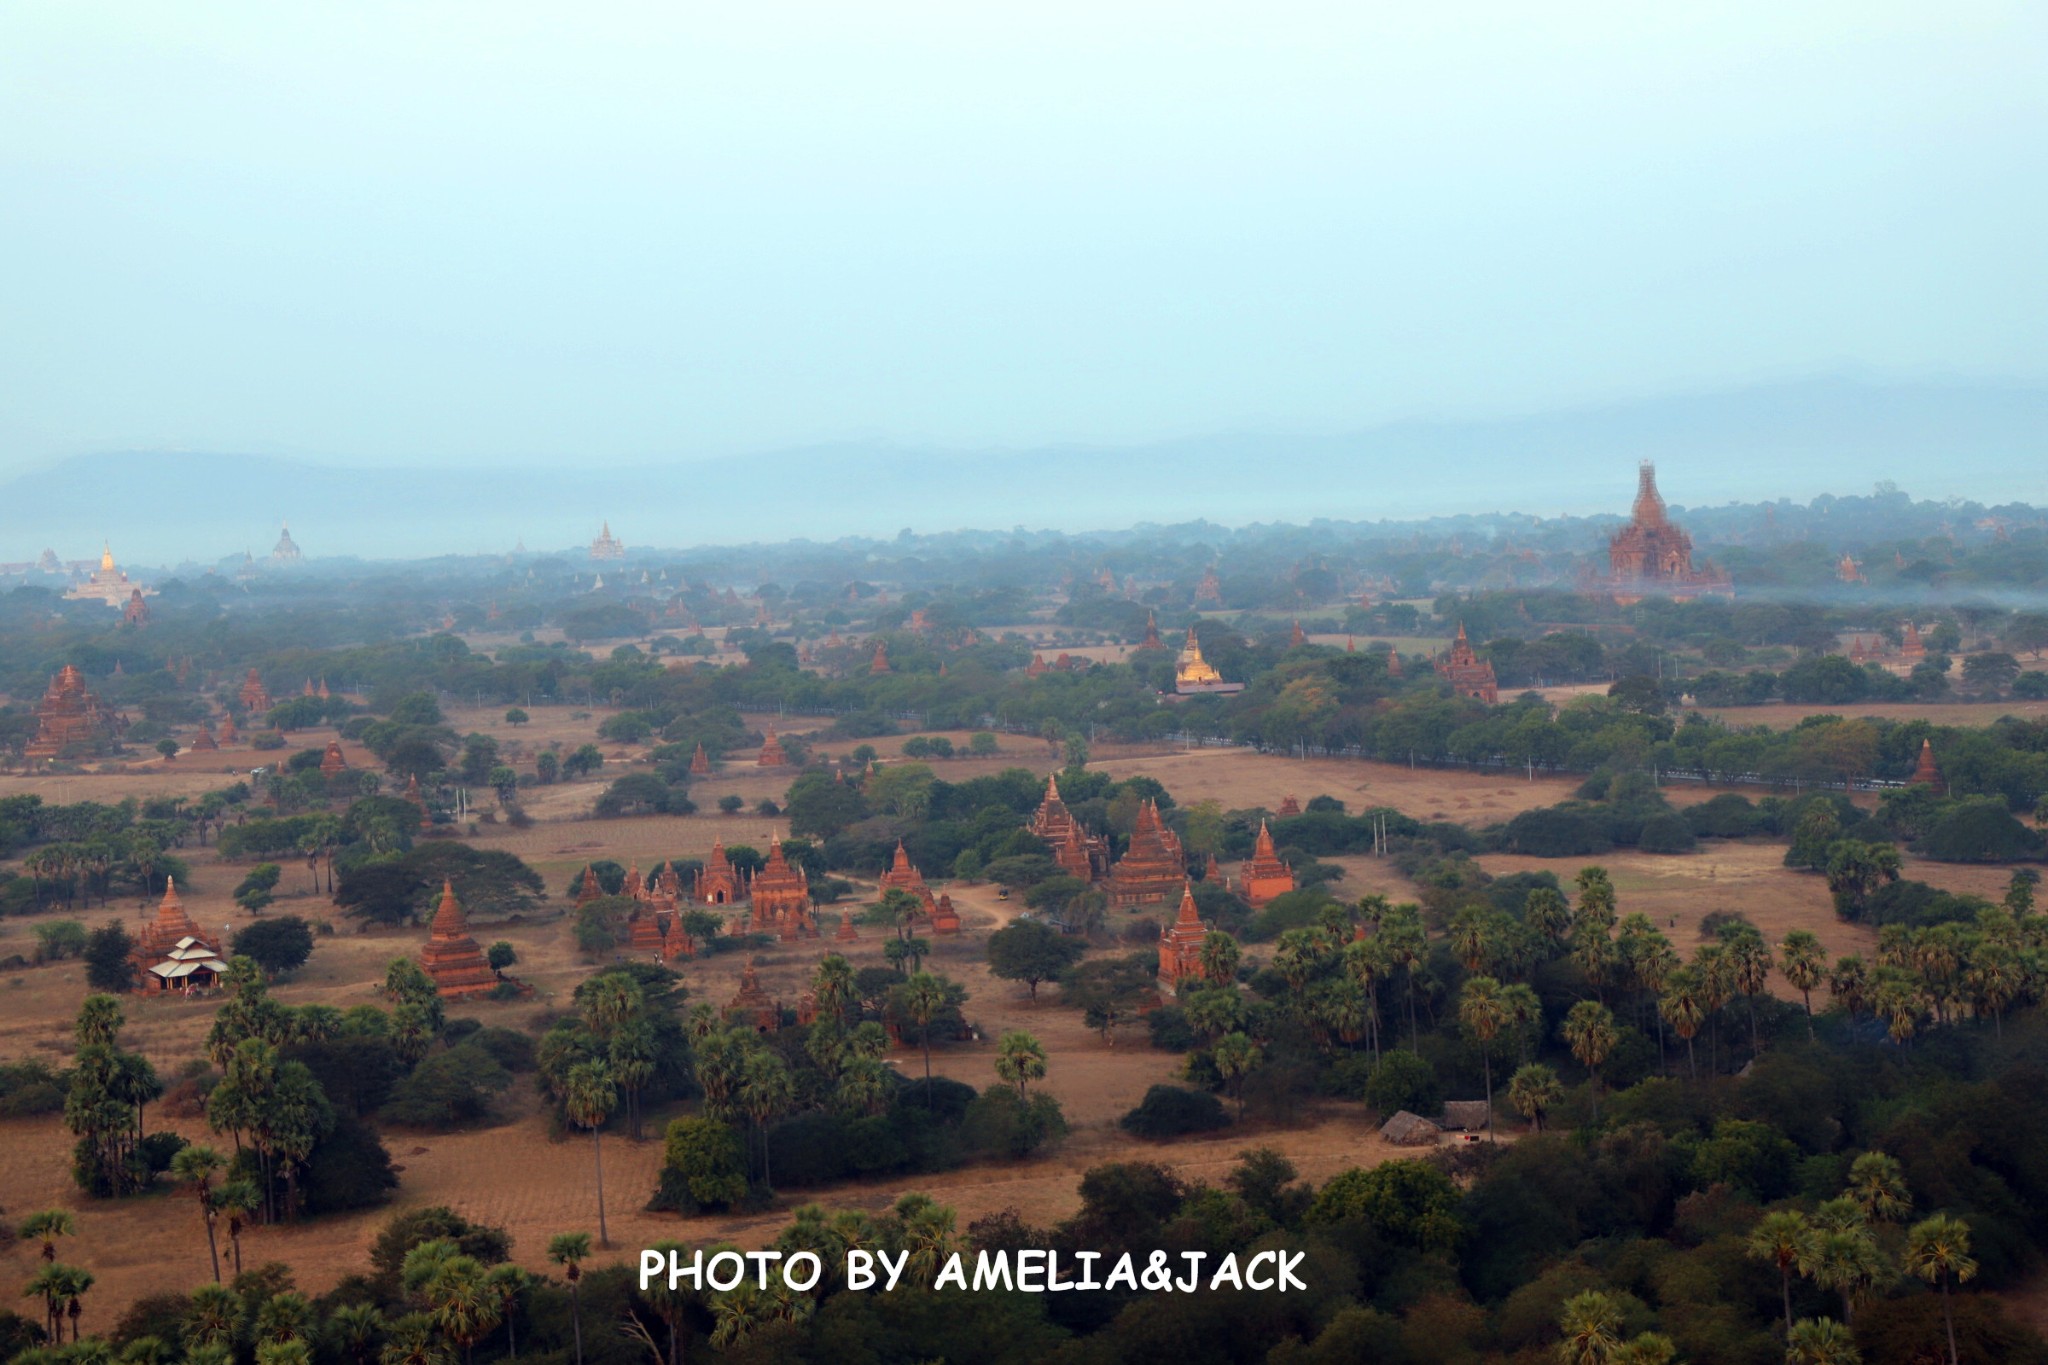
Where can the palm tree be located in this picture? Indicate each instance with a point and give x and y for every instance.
(736, 1313)
(1533, 1091)
(1236, 1056)
(1845, 1260)
(1849, 984)
(1749, 963)
(195, 1166)
(354, 1327)
(1938, 1251)
(670, 1300)
(293, 1352)
(214, 1318)
(1821, 1341)
(1483, 1010)
(238, 1199)
(48, 1284)
(766, 1090)
(1020, 1059)
(412, 1342)
(507, 1282)
(75, 1282)
(1804, 963)
(46, 1227)
(589, 1097)
(1407, 948)
(569, 1250)
(1681, 1007)
(1589, 1029)
(283, 1317)
(1779, 1238)
(833, 986)
(924, 996)
(1878, 1185)
(465, 1306)
(1591, 1324)
(1218, 958)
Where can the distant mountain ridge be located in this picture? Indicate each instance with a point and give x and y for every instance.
(1983, 442)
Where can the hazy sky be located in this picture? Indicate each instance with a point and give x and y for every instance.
(504, 231)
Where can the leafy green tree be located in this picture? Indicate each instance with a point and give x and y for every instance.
(1591, 1327)
(1821, 1341)
(259, 888)
(107, 951)
(277, 946)
(704, 1156)
(515, 716)
(1032, 952)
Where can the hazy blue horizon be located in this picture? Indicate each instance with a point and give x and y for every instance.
(467, 236)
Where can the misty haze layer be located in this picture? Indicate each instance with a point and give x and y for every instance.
(466, 236)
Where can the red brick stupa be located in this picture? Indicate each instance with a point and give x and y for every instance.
(1079, 853)
(771, 752)
(1180, 945)
(880, 663)
(700, 762)
(904, 876)
(1153, 865)
(780, 894)
(1152, 640)
(167, 938)
(228, 733)
(1468, 674)
(333, 761)
(751, 1005)
(1926, 771)
(716, 883)
(945, 919)
(1650, 557)
(71, 718)
(1288, 806)
(255, 696)
(1265, 876)
(451, 956)
(204, 740)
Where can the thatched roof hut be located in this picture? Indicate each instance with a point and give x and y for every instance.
(1410, 1130)
(1465, 1116)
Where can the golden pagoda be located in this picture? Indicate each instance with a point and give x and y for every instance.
(1196, 675)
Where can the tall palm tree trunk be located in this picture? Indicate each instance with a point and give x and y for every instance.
(597, 1145)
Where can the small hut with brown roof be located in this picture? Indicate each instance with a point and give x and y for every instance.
(1410, 1130)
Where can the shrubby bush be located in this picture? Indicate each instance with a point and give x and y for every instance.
(1170, 1111)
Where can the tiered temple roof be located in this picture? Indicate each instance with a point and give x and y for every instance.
(945, 919)
(880, 663)
(1152, 640)
(136, 611)
(1079, 853)
(172, 931)
(716, 883)
(1180, 944)
(107, 584)
(286, 551)
(255, 696)
(607, 545)
(904, 876)
(1652, 557)
(1265, 876)
(700, 762)
(771, 752)
(780, 894)
(1288, 806)
(333, 761)
(1468, 674)
(751, 1005)
(71, 717)
(1195, 674)
(451, 956)
(1153, 865)
(1926, 770)
(204, 741)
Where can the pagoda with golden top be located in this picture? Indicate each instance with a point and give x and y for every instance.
(71, 718)
(107, 584)
(1152, 866)
(1265, 876)
(1195, 675)
(451, 956)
